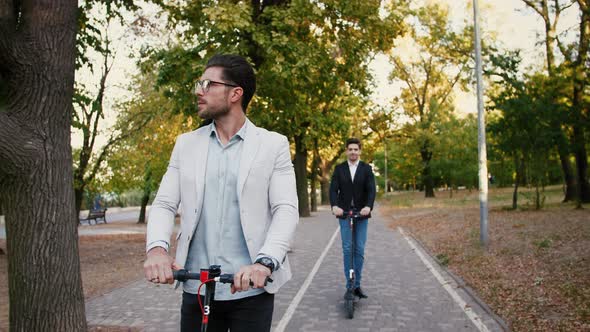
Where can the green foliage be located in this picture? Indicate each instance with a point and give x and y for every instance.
(145, 152)
(311, 58)
(443, 259)
(90, 25)
(454, 159)
(523, 128)
(437, 63)
(543, 244)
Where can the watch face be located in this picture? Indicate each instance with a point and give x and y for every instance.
(266, 262)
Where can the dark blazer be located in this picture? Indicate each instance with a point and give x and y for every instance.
(343, 189)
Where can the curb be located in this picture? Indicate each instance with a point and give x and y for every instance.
(461, 284)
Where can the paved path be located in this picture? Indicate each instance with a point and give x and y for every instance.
(404, 292)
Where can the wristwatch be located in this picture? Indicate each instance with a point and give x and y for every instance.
(266, 261)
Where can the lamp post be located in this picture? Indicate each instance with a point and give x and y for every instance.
(385, 157)
(481, 136)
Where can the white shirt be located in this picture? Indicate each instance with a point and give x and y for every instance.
(352, 167)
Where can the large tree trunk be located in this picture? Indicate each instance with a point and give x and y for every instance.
(301, 176)
(569, 177)
(314, 179)
(147, 191)
(78, 197)
(542, 9)
(144, 202)
(325, 176)
(427, 179)
(519, 166)
(325, 190)
(581, 165)
(37, 55)
(580, 78)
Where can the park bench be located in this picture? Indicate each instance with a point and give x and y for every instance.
(95, 215)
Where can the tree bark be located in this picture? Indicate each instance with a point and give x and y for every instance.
(325, 190)
(427, 179)
(569, 177)
(542, 9)
(301, 176)
(314, 179)
(519, 165)
(581, 165)
(325, 176)
(78, 197)
(580, 79)
(142, 212)
(37, 62)
(147, 191)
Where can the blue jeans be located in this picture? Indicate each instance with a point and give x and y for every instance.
(360, 232)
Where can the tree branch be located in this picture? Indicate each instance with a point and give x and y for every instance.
(111, 142)
(453, 83)
(409, 82)
(428, 70)
(533, 6)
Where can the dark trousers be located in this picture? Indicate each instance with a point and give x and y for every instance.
(249, 314)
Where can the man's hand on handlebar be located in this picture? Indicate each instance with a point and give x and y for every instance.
(158, 266)
(338, 212)
(256, 273)
(365, 211)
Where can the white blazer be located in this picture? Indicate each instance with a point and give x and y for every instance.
(267, 196)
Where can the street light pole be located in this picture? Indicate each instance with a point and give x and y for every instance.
(481, 131)
(385, 154)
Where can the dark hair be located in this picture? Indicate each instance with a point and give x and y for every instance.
(237, 70)
(353, 140)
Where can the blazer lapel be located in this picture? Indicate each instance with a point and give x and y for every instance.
(249, 150)
(358, 170)
(200, 163)
(346, 169)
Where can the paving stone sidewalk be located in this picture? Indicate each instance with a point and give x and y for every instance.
(404, 294)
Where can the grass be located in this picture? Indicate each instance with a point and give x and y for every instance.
(535, 273)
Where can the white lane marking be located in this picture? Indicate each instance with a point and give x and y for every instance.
(295, 302)
(477, 321)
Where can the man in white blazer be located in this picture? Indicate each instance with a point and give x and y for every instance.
(235, 185)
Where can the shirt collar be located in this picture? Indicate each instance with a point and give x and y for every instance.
(353, 165)
(241, 134)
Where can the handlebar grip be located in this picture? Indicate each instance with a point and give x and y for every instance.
(184, 275)
(229, 279)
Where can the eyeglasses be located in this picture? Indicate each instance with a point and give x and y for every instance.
(205, 84)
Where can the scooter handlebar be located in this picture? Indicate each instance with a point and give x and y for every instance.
(184, 275)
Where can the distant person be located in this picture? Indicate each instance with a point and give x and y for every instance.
(97, 202)
(239, 208)
(353, 188)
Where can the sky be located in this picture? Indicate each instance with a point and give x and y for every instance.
(516, 26)
(513, 24)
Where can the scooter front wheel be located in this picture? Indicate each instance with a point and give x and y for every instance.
(349, 308)
(349, 304)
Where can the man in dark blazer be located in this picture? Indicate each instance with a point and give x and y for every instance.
(353, 188)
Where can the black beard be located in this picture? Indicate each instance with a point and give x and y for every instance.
(212, 115)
